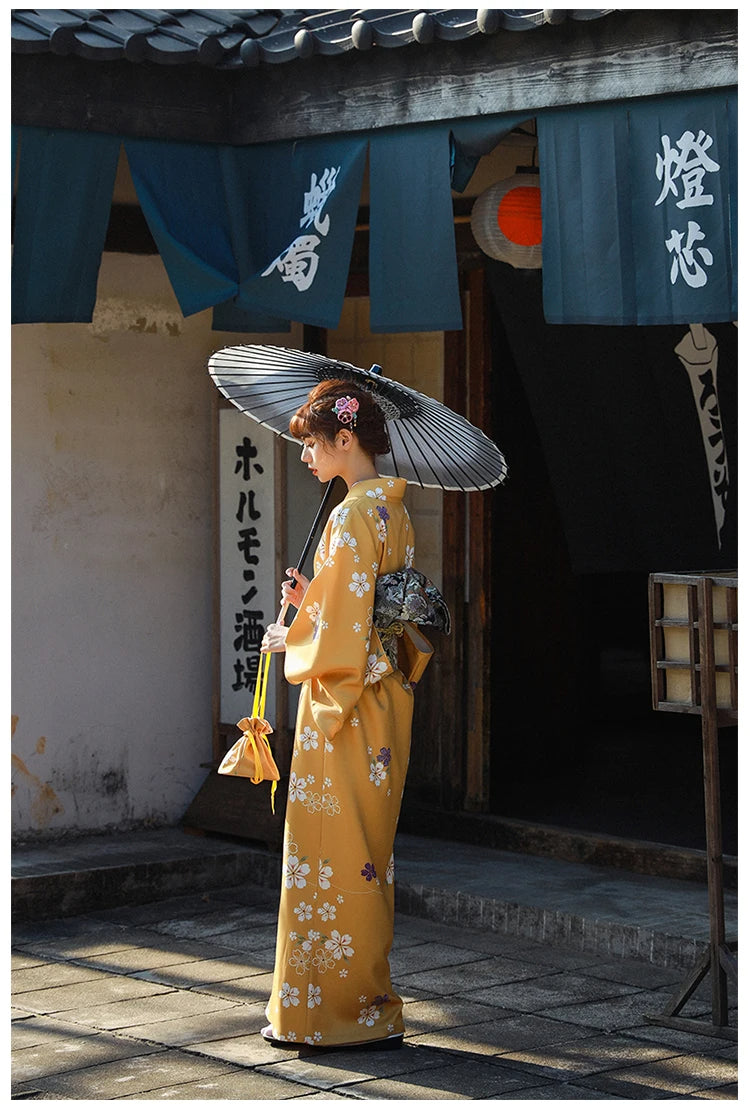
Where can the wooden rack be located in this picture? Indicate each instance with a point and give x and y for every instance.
(693, 620)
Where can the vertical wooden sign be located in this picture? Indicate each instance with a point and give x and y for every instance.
(248, 587)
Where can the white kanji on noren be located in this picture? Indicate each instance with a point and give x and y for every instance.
(298, 263)
(688, 163)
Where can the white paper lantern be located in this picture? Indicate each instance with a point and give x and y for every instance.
(506, 221)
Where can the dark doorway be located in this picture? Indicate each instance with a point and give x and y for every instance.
(575, 741)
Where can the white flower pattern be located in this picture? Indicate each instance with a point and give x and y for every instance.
(359, 584)
(296, 872)
(325, 873)
(308, 739)
(297, 788)
(375, 670)
(340, 946)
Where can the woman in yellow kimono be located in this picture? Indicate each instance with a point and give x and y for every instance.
(331, 983)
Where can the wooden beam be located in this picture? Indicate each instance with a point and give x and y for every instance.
(623, 55)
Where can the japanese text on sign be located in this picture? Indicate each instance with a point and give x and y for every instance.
(682, 170)
(247, 557)
(249, 624)
(299, 262)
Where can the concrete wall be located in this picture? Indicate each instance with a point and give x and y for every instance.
(112, 559)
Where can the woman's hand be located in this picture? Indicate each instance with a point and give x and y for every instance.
(274, 639)
(293, 591)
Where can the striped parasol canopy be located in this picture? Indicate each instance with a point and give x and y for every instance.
(431, 445)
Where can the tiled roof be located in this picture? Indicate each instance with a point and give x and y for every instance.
(234, 38)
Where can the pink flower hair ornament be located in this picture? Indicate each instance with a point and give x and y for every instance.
(346, 409)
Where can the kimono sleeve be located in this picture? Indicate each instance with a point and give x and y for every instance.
(331, 642)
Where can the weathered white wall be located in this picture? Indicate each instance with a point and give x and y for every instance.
(112, 559)
(112, 547)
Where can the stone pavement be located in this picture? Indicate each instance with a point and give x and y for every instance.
(163, 1000)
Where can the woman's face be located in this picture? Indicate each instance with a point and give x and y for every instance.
(321, 457)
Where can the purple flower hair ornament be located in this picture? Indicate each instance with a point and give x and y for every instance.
(346, 409)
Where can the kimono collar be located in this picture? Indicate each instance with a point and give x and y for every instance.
(380, 488)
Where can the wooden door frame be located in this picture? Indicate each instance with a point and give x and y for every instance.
(467, 538)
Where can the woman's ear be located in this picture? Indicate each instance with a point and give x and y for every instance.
(345, 438)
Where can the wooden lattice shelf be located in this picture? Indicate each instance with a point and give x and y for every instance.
(684, 614)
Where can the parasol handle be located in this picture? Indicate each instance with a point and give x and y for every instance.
(308, 543)
(314, 528)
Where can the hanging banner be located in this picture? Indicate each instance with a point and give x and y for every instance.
(248, 589)
(293, 219)
(413, 267)
(699, 353)
(266, 229)
(639, 210)
(63, 203)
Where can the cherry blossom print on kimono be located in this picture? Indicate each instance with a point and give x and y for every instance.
(331, 982)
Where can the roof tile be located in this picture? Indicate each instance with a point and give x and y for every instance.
(231, 38)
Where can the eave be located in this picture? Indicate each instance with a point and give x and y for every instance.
(629, 54)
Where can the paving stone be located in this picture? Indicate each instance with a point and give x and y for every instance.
(458, 979)
(49, 974)
(634, 973)
(614, 1013)
(548, 955)
(687, 1042)
(136, 1076)
(246, 894)
(345, 1069)
(719, 1093)
(77, 927)
(556, 989)
(462, 1079)
(495, 1036)
(238, 1085)
(244, 1050)
(558, 1091)
(93, 938)
(216, 922)
(182, 1031)
(61, 1053)
(677, 1075)
(581, 1057)
(99, 991)
(199, 972)
(246, 939)
(35, 1030)
(149, 1010)
(439, 1013)
(20, 960)
(247, 991)
(429, 956)
(168, 908)
(328, 1095)
(159, 952)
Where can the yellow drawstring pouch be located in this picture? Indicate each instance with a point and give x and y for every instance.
(251, 756)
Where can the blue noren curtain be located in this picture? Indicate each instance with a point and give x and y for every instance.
(63, 202)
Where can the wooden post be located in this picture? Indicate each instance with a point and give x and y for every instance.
(479, 563)
(714, 849)
(450, 697)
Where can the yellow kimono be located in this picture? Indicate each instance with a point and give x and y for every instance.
(331, 981)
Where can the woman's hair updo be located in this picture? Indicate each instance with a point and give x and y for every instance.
(317, 416)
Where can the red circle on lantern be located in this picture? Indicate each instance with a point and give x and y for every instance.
(519, 215)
